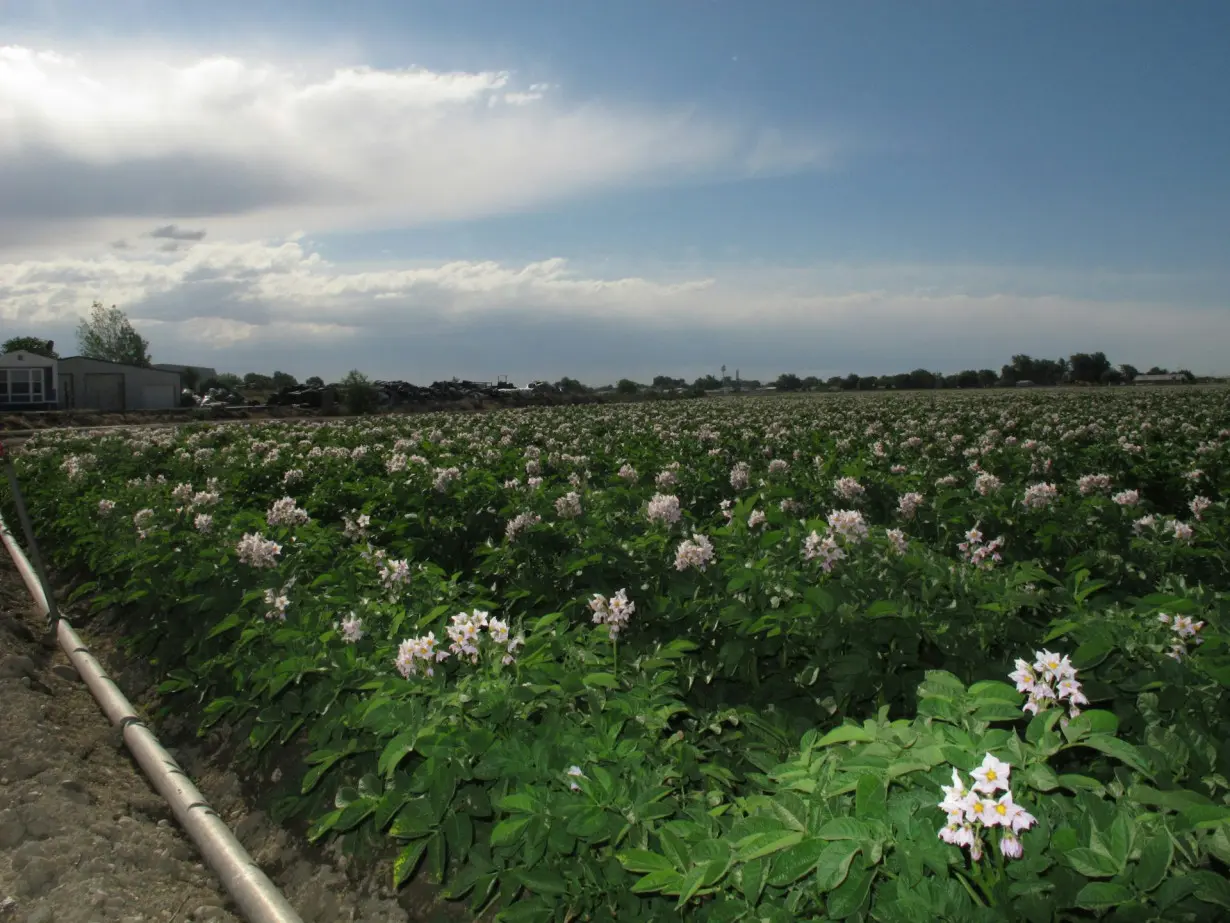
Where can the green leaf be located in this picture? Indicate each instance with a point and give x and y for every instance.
(1098, 895)
(849, 896)
(870, 797)
(833, 865)
(791, 864)
(1155, 858)
(845, 734)
(224, 626)
(693, 881)
(588, 822)
(407, 861)
(845, 828)
(507, 832)
(518, 802)
(1092, 863)
(1120, 750)
(642, 860)
(542, 881)
(414, 820)
(603, 680)
(768, 844)
(1212, 888)
(658, 881)
(395, 751)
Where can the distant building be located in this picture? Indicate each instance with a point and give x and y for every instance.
(28, 381)
(96, 384)
(1170, 378)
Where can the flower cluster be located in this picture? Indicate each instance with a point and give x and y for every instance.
(1093, 483)
(694, 552)
(1127, 498)
(393, 572)
(986, 484)
(974, 810)
(824, 549)
(848, 488)
(351, 628)
(277, 601)
(444, 477)
(908, 505)
(1039, 496)
(613, 613)
(1051, 678)
(256, 550)
(664, 508)
(740, 475)
(627, 473)
(569, 505)
(848, 524)
(284, 512)
(978, 552)
(518, 525)
(464, 636)
(756, 519)
(897, 540)
(105, 507)
(1186, 631)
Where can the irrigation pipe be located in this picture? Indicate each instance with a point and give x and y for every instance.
(258, 898)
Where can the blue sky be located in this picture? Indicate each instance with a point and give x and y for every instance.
(981, 178)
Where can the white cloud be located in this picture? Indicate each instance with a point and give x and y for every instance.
(275, 302)
(93, 146)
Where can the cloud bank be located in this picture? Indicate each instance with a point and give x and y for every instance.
(99, 144)
(267, 304)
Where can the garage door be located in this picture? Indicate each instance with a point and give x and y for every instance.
(103, 391)
(157, 397)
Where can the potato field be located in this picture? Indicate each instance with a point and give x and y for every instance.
(892, 658)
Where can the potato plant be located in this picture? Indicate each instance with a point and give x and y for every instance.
(893, 658)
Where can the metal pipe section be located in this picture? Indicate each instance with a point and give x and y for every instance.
(258, 898)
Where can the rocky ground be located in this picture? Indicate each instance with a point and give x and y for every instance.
(85, 839)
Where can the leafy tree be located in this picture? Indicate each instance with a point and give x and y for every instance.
(359, 395)
(868, 382)
(571, 386)
(627, 386)
(255, 381)
(665, 382)
(968, 379)
(108, 334)
(284, 380)
(1129, 371)
(788, 382)
(707, 383)
(315, 381)
(227, 380)
(36, 345)
(1088, 367)
(987, 378)
(1156, 371)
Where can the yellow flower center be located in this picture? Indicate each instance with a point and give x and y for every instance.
(991, 775)
(1001, 809)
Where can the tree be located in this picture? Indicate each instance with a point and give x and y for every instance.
(315, 381)
(665, 382)
(627, 386)
(284, 380)
(570, 386)
(707, 383)
(108, 334)
(255, 381)
(189, 379)
(788, 382)
(358, 393)
(968, 379)
(36, 345)
(1129, 371)
(228, 380)
(986, 378)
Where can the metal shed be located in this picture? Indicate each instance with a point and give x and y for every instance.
(96, 384)
(27, 381)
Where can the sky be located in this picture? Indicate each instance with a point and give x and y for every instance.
(540, 188)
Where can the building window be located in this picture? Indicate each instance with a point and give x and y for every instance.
(21, 386)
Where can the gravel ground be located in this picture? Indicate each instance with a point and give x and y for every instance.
(85, 839)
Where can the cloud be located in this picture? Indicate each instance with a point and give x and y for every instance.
(172, 232)
(99, 143)
(262, 304)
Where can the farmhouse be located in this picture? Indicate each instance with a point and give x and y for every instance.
(1170, 378)
(96, 384)
(27, 381)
